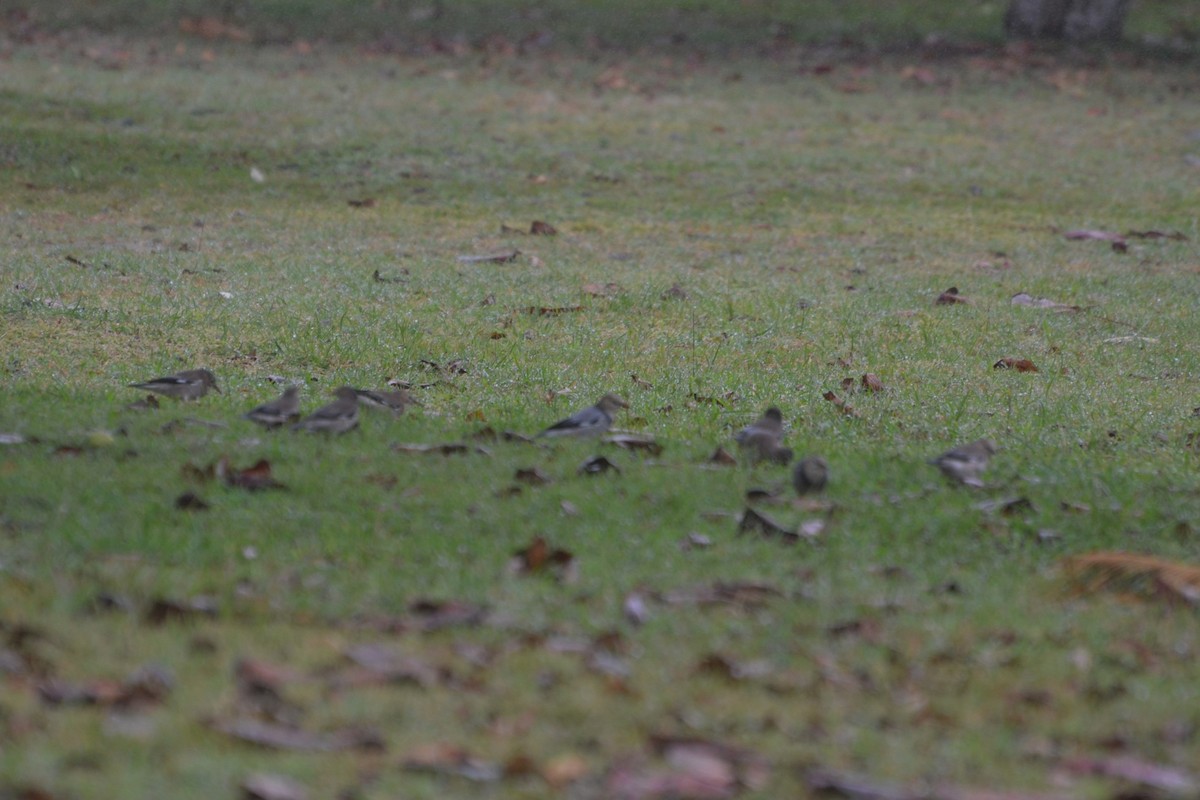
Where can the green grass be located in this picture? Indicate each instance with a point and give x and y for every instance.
(766, 192)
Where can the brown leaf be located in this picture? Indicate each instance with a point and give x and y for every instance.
(675, 292)
(165, 609)
(1136, 575)
(283, 737)
(190, 501)
(743, 594)
(149, 403)
(1019, 364)
(841, 404)
(561, 771)
(871, 382)
(723, 457)
(540, 228)
(532, 476)
(443, 758)
(381, 663)
(539, 558)
(950, 297)
(433, 615)
(549, 311)
(253, 478)
(268, 786)
(443, 448)
(732, 670)
(1174, 236)
(1162, 777)
(596, 465)
(630, 441)
(638, 382)
(148, 686)
(67, 450)
(715, 762)
(366, 202)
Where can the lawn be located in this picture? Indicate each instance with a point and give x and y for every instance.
(432, 605)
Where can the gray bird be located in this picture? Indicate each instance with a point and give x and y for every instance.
(762, 440)
(338, 417)
(395, 401)
(190, 384)
(591, 421)
(964, 463)
(277, 412)
(810, 475)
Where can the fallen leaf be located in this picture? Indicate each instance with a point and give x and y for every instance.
(190, 501)
(283, 737)
(548, 311)
(1103, 236)
(540, 228)
(841, 404)
(166, 609)
(253, 478)
(1026, 299)
(443, 758)
(733, 670)
(629, 441)
(695, 541)
(14, 438)
(366, 202)
(635, 609)
(383, 664)
(268, 786)
(148, 686)
(532, 476)
(378, 278)
(148, 403)
(743, 594)
(723, 457)
(444, 448)
(675, 292)
(1133, 574)
(1162, 777)
(714, 762)
(601, 289)
(871, 382)
(539, 558)
(950, 297)
(1019, 364)
(638, 382)
(1174, 236)
(561, 771)
(492, 258)
(596, 465)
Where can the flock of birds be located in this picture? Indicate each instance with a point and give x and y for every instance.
(760, 441)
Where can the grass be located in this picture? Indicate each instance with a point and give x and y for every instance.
(812, 219)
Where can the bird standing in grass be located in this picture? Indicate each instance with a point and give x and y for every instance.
(338, 417)
(190, 384)
(591, 421)
(762, 440)
(277, 412)
(810, 475)
(395, 401)
(964, 464)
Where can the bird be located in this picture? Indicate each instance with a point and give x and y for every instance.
(762, 440)
(282, 410)
(964, 463)
(395, 401)
(591, 421)
(338, 417)
(810, 474)
(191, 384)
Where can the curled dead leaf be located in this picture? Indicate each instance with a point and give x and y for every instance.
(950, 297)
(540, 228)
(754, 522)
(871, 382)
(538, 557)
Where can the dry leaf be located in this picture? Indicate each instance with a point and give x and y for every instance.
(539, 228)
(1174, 236)
(1026, 299)
(630, 441)
(267, 786)
(675, 292)
(190, 501)
(1019, 364)
(1134, 575)
(447, 759)
(532, 476)
(253, 478)
(506, 257)
(950, 297)
(841, 404)
(737, 593)
(282, 737)
(754, 522)
(165, 609)
(550, 311)
(723, 457)
(563, 770)
(601, 289)
(1165, 778)
(596, 465)
(871, 382)
(539, 558)
(638, 382)
(366, 202)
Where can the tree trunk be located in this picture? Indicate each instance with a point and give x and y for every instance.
(1073, 20)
